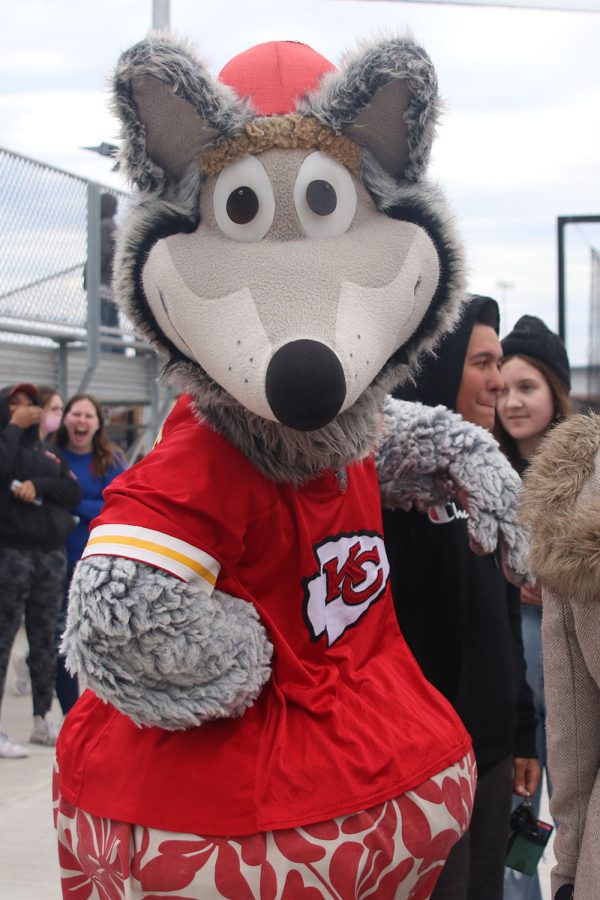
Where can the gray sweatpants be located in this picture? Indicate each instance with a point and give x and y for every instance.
(31, 584)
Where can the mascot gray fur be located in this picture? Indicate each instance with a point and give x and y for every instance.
(287, 255)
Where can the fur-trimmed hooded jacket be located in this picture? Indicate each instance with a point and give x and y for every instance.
(561, 507)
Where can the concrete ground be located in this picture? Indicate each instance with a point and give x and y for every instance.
(28, 859)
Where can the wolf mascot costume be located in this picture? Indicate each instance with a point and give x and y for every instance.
(255, 724)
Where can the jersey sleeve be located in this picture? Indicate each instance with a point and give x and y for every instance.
(184, 508)
(156, 547)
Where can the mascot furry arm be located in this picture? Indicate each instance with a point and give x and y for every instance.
(290, 259)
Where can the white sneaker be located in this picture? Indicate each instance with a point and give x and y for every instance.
(23, 681)
(9, 749)
(45, 731)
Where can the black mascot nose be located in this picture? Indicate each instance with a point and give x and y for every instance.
(305, 385)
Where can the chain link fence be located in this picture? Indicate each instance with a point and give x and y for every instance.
(43, 222)
(44, 228)
(58, 324)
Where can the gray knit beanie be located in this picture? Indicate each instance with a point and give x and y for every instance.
(532, 337)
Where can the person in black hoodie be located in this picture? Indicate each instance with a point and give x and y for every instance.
(462, 618)
(36, 493)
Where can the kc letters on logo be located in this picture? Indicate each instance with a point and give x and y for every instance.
(353, 570)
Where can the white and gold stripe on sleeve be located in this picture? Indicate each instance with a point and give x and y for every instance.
(155, 548)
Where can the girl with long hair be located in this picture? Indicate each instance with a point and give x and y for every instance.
(95, 460)
(537, 380)
(52, 410)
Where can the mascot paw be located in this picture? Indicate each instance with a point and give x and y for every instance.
(430, 455)
(163, 651)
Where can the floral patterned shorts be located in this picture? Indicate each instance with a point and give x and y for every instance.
(393, 851)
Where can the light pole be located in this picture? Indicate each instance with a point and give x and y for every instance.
(160, 14)
(505, 287)
(160, 20)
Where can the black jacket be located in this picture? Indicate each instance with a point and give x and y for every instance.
(25, 458)
(460, 617)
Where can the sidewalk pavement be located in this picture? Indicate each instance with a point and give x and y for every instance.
(28, 856)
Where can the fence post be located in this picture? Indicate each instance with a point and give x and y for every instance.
(560, 243)
(63, 371)
(92, 284)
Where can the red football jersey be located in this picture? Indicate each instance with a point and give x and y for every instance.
(347, 719)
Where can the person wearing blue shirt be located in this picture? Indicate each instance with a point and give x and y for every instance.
(95, 461)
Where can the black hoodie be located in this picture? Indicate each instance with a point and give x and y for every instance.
(460, 617)
(24, 458)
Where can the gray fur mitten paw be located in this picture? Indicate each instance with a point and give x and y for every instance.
(163, 651)
(430, 455)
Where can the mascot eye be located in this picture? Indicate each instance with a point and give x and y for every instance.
(325, 196)
(321, 197)
(243, 200)
(242, 205)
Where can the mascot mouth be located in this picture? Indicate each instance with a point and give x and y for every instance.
(172, 323)
(305, 385)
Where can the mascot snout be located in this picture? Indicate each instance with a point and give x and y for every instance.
(305, 385)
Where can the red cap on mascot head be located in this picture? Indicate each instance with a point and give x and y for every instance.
(275, 74)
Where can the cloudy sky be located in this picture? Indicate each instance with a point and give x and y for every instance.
(518, 146)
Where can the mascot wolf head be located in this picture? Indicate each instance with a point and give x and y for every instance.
(285, 250)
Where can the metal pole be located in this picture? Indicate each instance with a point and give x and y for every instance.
(92, 284)
(158, 414)
(504, 286)
(561, 222)
(161, 14)
(562, 294)
(63, 371)
(153, 369)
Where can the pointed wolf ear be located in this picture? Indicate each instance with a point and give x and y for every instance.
(170, 107)
(385, 97)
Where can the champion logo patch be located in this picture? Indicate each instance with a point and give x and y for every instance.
(442, 515)
(351, 575)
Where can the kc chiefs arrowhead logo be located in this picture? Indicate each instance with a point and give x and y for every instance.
(353, 570)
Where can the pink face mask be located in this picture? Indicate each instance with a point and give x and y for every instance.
(51, 422)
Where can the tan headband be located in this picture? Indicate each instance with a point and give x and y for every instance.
(286, 132)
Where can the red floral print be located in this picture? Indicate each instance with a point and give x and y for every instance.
(176, 865)
(393, 851)
(99, 858)
(344, 866)
(295, 889)
(296, 847)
